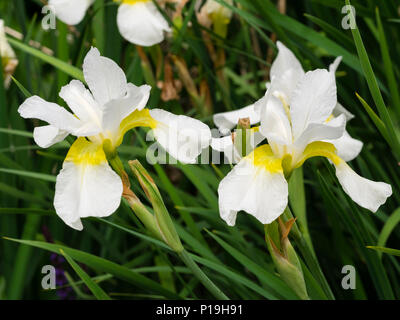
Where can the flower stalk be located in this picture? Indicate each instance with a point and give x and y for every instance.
(161, 224)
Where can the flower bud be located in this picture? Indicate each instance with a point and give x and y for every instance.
(161, 214)
(285, 257)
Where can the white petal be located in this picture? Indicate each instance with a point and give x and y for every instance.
(366, 193)
(37, 108)
(182, 137)
(106, 80)
(253, 189)
(46, 136)
(339, 109)
(287, 71)
(334, 129)
(141, 23)
(275, 125)
(70, 11)
(347, 147)
(6, 50)
(117, 110)
(333, 66)
(226, 121)
(225, 145)
(81, 102)
(86, 186)
(313, 100)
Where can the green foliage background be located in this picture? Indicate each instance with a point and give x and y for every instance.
(116, 252)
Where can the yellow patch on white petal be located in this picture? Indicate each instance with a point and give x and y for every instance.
(86, 186)
(138, 118)
(257, 186)
(366, 193)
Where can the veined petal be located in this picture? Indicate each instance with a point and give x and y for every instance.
(182, 137)
(366, 193)
(141, 23)
(46, 136)
(226, 121)
(37, 108)
(70, 11)
(313, 100)
(81, 102)
(117, 110)
(86, 186)
(255, 185)
(106, 80)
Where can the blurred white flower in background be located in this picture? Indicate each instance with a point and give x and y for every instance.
(9, 60)
(139, 21)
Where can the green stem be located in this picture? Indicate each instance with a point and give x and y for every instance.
(306, 248)
(215, 291)
(314, 266)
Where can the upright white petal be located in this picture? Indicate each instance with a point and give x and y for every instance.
(46, 136)
(86, 186)
(70, 12)
(313, 100)
(106, 80)
(117, 110)
(275, 125)
(81, 102)
(141, 23)
(225, 121)
(37, 108)
(366, 193)
(255, 189)
(287, 71)
(182, 137)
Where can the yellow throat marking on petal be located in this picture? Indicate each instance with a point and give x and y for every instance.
(84, 152)
(137, 118)
(263, 156)
(319, 149)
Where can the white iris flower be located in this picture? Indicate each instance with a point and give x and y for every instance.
(7, 56)
(297, 118)
(139, 21)
(286, 71)
(87, 186)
